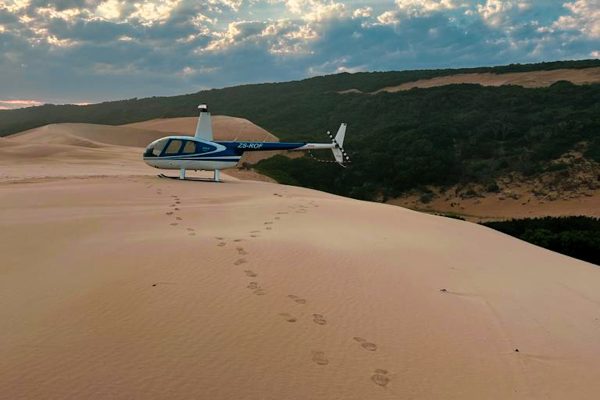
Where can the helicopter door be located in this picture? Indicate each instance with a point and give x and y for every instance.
(173, 147)
(189, 147)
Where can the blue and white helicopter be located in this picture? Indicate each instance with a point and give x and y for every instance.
(201, 153)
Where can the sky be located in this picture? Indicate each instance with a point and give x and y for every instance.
(86, 51)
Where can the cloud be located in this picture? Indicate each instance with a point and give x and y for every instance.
(362, 12)
(96, 50)
(584, 17)
(14, 104)
(421, 7)
(316, 10)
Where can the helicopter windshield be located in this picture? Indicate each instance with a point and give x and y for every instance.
(155, 148)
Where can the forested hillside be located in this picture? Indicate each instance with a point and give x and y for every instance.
(577, 237)
(398, 141)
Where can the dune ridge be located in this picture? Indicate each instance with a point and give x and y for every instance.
(110, 149)
(119, 284)
(532, 79)
(136, 287)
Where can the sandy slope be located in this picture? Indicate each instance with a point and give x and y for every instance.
(532, 79)
(118, 284)
(108, 149)
(225, 128)
(493, 207)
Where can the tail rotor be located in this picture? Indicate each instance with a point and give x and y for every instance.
(340, 155)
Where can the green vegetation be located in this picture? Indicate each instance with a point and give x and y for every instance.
(577, 237)
(397, 141)
(448, 135)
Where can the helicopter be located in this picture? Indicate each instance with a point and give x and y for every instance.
(202, 153)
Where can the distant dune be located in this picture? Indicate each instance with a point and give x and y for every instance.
(118, 284)
(494, 206)
(110, 148)
(532, 79)
(224, 127)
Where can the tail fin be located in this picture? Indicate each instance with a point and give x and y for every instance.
(339, 136)
(204, 127)
(338, 151)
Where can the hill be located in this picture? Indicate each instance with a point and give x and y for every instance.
(251, 101)
(118, 284)
(532, 79)
(464, 138)
(53, 149)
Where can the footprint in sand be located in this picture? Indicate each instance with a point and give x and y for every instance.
(190, 229)
(176, 209)
(365, 345)
(319, 320)
(221, 244)
(254, 231)
(277, 217)
(319, 358)
(268, 223)
(238, 240)
(171, 205)
(178, 202)
(282, 212)
(250, 273)
(169, 213)
(178, 218)
(268, 228)
(192, 234)
(240, 261)
(380, 377)
(297, 299)
(288, 317)
(174, 224)
(254, 236)
(256, 289)
(241, 251)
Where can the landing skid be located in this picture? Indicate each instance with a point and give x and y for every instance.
(189, 179)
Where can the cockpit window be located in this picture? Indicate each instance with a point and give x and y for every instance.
(190, 147)
(173, 147)
(154, 149)
(158, 147)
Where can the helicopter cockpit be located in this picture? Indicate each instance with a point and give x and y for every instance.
(176, 146)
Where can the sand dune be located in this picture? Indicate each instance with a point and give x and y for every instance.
(88, 135)
(532, 79)
(118, 284)
(224, 127)
(526, 79)
(110, 149)
(493, 207)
